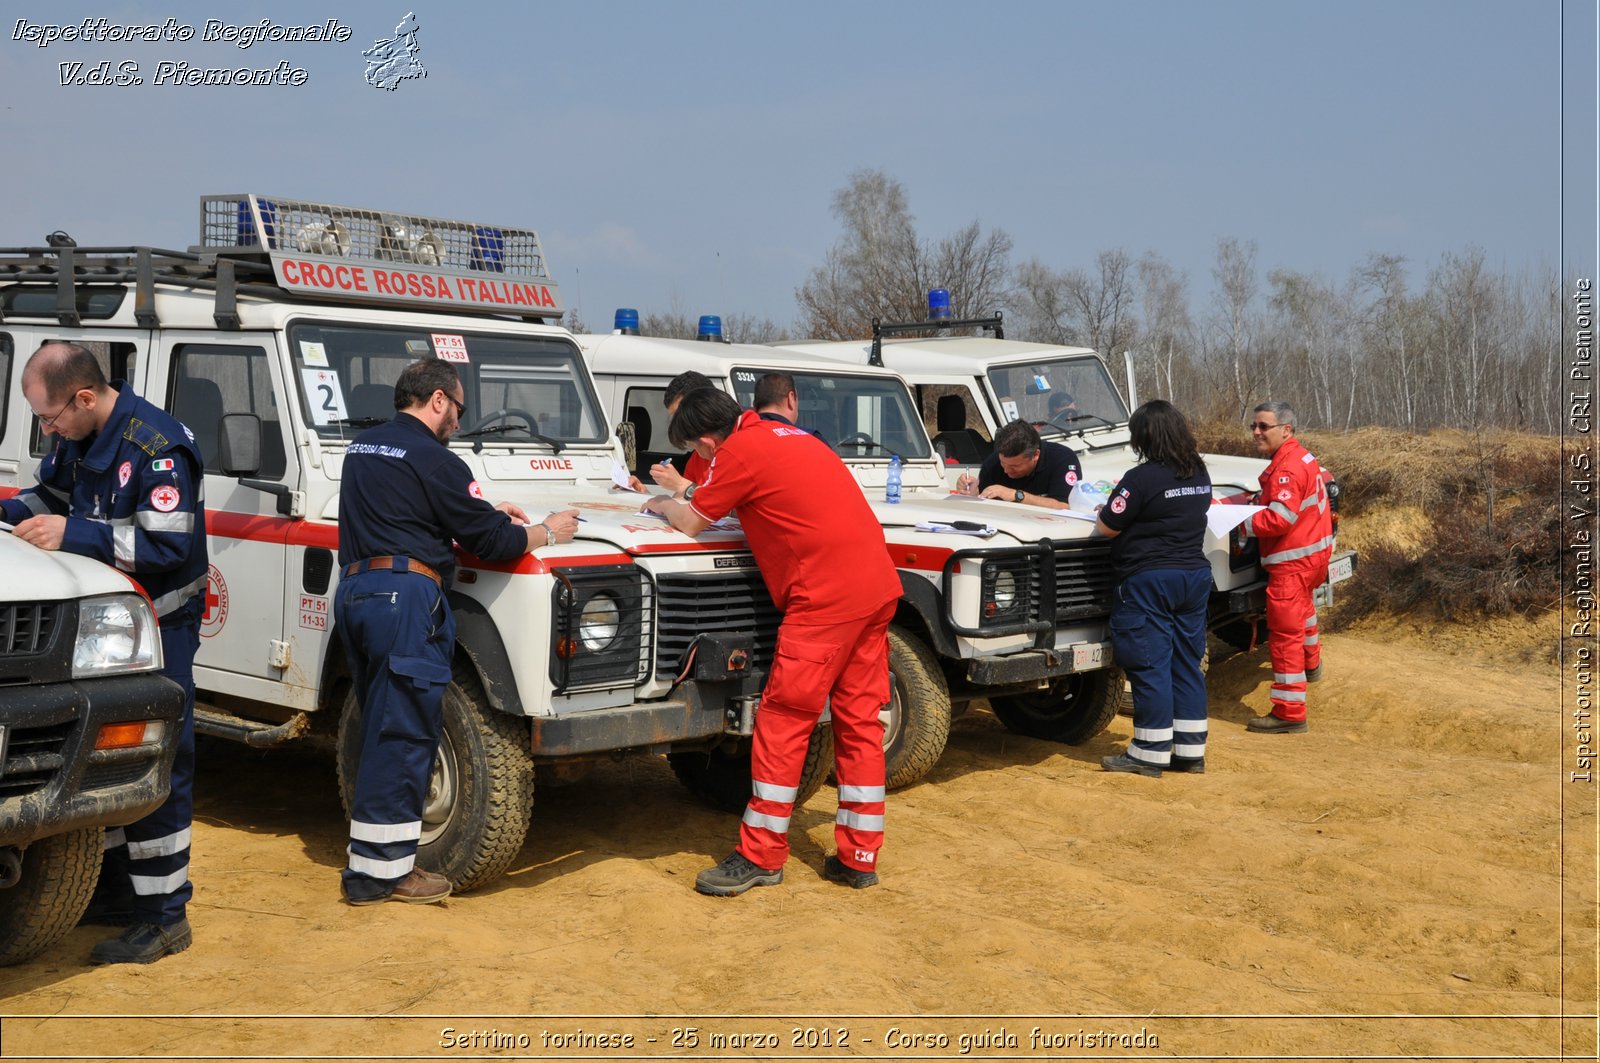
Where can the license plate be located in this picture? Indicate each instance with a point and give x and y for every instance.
(1341, 568)
(1087, 656)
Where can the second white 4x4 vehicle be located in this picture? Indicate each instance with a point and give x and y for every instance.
(276, 339)
(1016, 616)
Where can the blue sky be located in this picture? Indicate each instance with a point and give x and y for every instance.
(681, 156)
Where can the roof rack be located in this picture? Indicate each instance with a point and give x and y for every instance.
(932, 324)
(276, 248)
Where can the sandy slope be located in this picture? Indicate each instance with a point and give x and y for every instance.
(1389, 884)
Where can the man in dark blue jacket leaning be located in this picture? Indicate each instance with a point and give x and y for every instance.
(404, 496)
(122, 484)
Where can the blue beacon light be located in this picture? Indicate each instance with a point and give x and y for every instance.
(938, 303)
(625, 322)
(710, 328)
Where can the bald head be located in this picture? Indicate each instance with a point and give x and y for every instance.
(62, 369)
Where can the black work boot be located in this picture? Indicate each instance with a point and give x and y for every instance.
(837, 870)
(735, 875)
(1123, 762)
(143, 943)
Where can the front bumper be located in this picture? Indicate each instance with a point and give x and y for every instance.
(53, 780)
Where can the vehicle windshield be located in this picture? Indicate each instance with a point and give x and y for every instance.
(1059, 396)
(518, 389)
(858, 416)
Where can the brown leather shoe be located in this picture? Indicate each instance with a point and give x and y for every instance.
(419, 887)
(1276, 725)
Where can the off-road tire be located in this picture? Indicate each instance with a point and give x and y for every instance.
(1074, 709)
(58, 877)
(721, 777)
(917, 723)
(480, 793)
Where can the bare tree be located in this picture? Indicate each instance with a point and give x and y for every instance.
(1235, 274)
(1167, 328)
(880, 268)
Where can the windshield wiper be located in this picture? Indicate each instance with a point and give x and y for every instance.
(360, 422)
(555, 445)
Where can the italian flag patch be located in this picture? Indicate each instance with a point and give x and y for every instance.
(161, 465)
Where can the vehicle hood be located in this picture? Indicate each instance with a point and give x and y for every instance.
(34, 575)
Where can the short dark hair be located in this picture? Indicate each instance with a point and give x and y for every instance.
(1016, 439)
(773, 389)
(703, 412)
(1060, 400)
(682, 384)
(419, 380)
(1160, 433)
(65, 370)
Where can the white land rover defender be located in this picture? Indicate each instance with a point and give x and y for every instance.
(88, 729)
(278, 338)
(969, 386)
(1017, 616)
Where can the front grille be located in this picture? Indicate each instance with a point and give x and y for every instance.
(33, 757)
(26, 628)
(690, 604)
(1084, 580)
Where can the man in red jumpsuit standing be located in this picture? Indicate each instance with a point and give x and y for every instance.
(822, 556)
(1296, 534)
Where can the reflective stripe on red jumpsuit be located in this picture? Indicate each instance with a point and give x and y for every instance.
(1296, 539)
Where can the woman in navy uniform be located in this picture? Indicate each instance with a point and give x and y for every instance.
(123, 485)
(1157, 516)
(404, 496)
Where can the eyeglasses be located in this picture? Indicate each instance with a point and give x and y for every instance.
(1262, 426)
(461, 407)
(50, 422)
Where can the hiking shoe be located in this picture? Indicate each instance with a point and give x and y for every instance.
(1192, 765)
(837, 870)
(735, 875)
(1276, 725)
(1123, 762)
(1314, 674)
(419, 887)
(143, 943)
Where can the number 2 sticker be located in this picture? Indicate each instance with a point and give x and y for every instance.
(324, 395)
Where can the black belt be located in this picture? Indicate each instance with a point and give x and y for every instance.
(395, 564)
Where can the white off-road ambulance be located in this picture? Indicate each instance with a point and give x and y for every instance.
(276, 339)
(968, 386)
(999, 601)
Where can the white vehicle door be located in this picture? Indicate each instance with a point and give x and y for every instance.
(242, 631)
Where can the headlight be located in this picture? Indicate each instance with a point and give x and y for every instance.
(598, 623)
(116, 633)
(1005, 590)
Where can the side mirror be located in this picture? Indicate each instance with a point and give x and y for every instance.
(627, 434)
(239, 444)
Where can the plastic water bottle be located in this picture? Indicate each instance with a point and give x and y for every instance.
(891, 487)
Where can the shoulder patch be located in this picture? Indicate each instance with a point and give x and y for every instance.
(474, 490)
(1072, 476)
(162, 465)
(146, 437)
(1119, 504)
(165, 498)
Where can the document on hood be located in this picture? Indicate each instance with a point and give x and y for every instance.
(958, 527)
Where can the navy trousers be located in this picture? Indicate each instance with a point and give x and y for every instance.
(399, 635)
(1158, 633)
(148, 861)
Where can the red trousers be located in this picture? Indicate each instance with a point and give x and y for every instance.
(1292, 635)
(849, 664)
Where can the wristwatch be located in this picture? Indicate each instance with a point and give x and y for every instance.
(688, 492)
(1021, 494)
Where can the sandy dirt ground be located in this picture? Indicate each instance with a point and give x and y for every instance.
(1415, 877)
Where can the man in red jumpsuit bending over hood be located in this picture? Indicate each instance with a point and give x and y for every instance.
(1296, 534)
(822, 555)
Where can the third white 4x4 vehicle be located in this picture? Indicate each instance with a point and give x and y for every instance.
(969, 386)
(276, 340)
